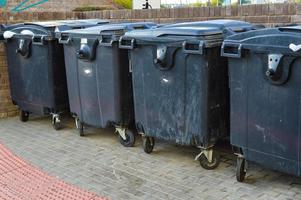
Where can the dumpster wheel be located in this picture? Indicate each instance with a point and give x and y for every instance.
(209, 165)
(56, 122)
(240, 169)
(148, 144)
(81, 129)
(129, 140)
(24, 115)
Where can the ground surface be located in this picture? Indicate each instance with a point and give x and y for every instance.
(98, 163)
(19, 180)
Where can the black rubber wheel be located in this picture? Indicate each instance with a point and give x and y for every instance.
(81, 129)
(130, 139)
(24, 116)
(148, 144)
(56, 125)
(210, 165)
(240, 169)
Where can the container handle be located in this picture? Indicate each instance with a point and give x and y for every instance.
(8, 34)
(64, 39)
(106, 41)
(190, 47)
(24, 48)
(279, 68)
(231, 50)
(87, 51)
(38, 40)
(289, 29)
(140, 26)
(125, 43)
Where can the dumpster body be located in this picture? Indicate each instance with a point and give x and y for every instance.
(265, 98)
(99, 79)
(180, 84)
(36, 67)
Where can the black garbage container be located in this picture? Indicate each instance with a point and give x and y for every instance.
(265, 98)
(36, 66)
(180, 84)
(99, 79)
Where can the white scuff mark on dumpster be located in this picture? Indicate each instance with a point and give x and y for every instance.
(295, 47)
(238, 89)
(262, 130)
(88, 71)
(259, 128)
(165, 80)
(264, 138)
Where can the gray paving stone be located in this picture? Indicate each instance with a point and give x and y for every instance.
(98, 163)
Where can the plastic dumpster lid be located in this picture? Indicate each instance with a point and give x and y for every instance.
(197, 29)
(287, 30)
(113, 29)
(49, 28)
(69, 23)
(280, 40)
(234, 25)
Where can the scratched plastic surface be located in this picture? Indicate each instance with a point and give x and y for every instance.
(19, 180)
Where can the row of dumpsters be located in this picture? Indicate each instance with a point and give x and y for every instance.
(191, 83)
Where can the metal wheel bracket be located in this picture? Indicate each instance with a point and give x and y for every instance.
(273, 62)
(55, 118)
(144, 136)
(77, 123)
(208, 154)
(240, 156)
(121, 132)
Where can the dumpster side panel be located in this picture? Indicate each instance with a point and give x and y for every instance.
(218, 95)
(25, 73)
(114, 86)
(207, 86)
(57, 75)
(72, 79)
(126, 90)
(238, 101)
(195, 101)
(265, 117)
(107, 81)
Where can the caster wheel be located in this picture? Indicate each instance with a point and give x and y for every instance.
(148, 144)
(81, 129)
(130, 139)
(240, 169)
(57, 125)
(24, 116)
(210, 165)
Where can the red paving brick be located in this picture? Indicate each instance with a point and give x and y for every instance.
(20, 180)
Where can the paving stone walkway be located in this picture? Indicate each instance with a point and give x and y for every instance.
(99, 164)
(21, 181)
